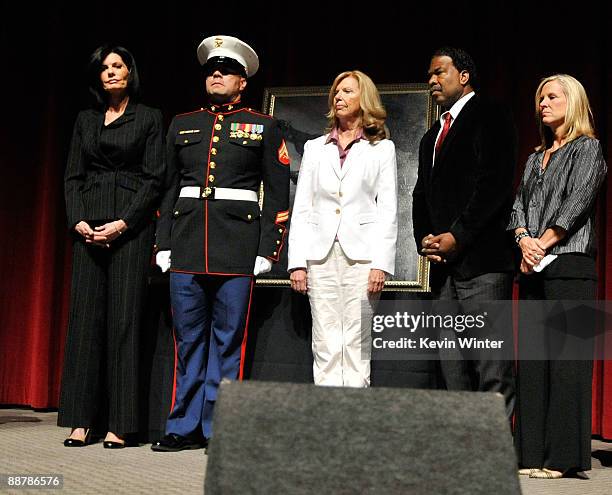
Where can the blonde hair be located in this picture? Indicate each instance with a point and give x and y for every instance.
(578, 115)
(373, 113)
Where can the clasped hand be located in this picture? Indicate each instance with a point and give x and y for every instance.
(101, 235)
(439, 248)
(533, 250)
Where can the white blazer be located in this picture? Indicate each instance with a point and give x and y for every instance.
(356, 202)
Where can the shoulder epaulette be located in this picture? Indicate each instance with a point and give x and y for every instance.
(189, 113)
(250, 110)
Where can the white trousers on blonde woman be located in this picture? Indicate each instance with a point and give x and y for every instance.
(341, 319)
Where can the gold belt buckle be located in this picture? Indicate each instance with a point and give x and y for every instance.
(208, 193)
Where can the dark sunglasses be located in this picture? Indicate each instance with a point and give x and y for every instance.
(225, 65)
(224, 70)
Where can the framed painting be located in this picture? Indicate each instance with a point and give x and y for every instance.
(410, 113)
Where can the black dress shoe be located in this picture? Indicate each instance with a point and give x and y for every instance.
(113, 445)
(73, 442)
(118, 445)
(175, 443)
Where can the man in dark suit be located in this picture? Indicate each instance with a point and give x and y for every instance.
(211, 223)
(461, 205)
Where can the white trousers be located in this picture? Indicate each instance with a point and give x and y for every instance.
(341, 319)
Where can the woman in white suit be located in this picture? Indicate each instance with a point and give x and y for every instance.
(344, 229)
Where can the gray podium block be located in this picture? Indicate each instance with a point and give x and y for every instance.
(294, 438)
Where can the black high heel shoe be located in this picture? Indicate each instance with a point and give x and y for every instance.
(74, 442)
(127, 442)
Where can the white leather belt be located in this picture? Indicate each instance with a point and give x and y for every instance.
(218, 193)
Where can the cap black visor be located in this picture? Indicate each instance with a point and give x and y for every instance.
(224, 65)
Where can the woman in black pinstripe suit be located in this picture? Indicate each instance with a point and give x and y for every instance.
(112, 182)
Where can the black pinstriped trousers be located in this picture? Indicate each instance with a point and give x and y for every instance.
(102, 346)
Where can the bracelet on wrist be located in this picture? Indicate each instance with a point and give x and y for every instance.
(521, 235)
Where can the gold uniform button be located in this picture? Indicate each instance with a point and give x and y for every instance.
(213, 165)
(245, 142)
(337, 211)
(176, 213)
(211, 178)
(277, 243)
(213, 151)
(221, 118)
(275, 253)
(213, 108)
(218, 127)
(280, 231)
(249, 216)
(186, 141)
(216, 139)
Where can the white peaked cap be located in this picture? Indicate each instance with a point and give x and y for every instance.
(228, 46)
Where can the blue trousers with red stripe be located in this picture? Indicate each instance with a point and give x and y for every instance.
(210, 317)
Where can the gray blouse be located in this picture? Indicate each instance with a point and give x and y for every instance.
(563, 194)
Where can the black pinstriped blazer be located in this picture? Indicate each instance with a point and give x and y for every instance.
(120, 179)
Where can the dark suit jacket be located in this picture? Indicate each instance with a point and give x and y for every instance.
(122, 180)
(469, 191)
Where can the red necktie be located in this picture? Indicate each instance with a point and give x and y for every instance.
(447, 121)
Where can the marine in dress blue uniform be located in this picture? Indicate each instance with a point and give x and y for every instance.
(217, 235)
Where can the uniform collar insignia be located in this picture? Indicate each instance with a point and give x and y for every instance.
(227, 107)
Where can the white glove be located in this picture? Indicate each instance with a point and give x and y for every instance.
(262, 265)
(162, 259)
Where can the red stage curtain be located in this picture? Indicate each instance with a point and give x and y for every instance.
(602, 371)
(35, 267)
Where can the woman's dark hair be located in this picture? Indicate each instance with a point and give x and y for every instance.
(462, 62)
(95, 68)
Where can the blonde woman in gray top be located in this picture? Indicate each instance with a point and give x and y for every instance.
(553, 220)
